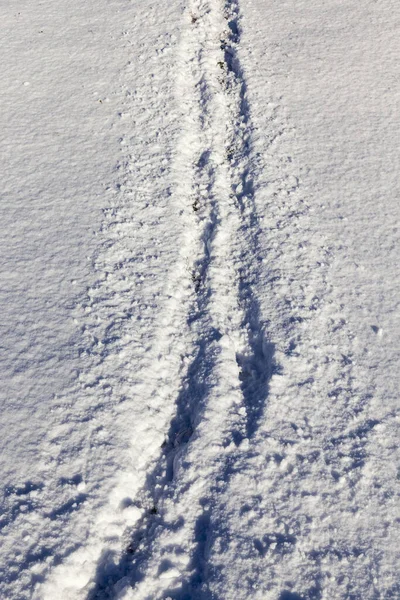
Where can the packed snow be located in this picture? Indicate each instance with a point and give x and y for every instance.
(200, 300)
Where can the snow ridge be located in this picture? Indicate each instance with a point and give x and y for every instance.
(228, 360)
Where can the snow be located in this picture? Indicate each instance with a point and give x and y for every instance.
(199, 300)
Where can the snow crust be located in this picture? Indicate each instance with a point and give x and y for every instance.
(199, 300)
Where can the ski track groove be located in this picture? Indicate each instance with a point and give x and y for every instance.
(224, 224)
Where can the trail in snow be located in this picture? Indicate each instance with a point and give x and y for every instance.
(223, 393)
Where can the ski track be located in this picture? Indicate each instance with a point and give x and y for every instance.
(225, 384)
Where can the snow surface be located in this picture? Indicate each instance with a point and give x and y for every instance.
(200, 300)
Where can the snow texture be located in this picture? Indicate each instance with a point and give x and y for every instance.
(200, 300)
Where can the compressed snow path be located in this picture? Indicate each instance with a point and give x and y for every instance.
(200, 320)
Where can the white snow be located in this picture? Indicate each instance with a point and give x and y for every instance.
(200, 300)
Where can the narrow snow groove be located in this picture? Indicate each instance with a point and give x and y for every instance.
(256, 360)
